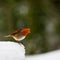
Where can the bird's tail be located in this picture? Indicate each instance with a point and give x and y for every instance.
(7, 36)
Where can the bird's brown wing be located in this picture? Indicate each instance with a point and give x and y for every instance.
(16, 32)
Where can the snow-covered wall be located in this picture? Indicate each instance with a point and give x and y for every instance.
(11, 51)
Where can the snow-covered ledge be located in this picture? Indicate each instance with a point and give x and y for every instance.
(11, 51)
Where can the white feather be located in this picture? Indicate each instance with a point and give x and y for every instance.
(21, 38)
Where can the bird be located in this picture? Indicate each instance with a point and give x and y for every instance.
(20, 34)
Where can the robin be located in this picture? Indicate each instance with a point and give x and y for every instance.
(19, 34)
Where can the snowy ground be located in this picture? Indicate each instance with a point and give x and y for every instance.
(11, 51)
(54, 55)
(15, 51)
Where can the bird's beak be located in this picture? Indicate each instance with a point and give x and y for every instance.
(29, 30)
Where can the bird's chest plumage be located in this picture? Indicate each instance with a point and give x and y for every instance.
(18, 37)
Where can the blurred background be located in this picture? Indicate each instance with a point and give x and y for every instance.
(41, 16)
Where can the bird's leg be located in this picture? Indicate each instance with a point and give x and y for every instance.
(19, 42)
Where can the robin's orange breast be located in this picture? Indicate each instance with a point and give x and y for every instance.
(25, 32)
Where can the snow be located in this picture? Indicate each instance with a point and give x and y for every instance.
(14, 51)
(54, 55)
(11, 51)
